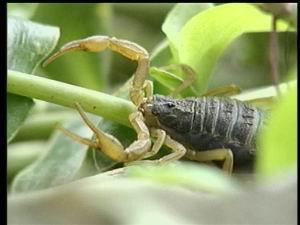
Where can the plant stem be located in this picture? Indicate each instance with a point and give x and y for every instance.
(108, 106)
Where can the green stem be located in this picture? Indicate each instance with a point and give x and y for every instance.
(108, 106)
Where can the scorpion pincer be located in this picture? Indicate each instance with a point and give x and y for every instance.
(204, 129)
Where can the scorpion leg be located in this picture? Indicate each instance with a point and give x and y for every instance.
(110, 146)
(214, 154)
(75, 137)
(187, 71)
(190, 74)
(161, 136)
(148, 88)
(261, 102)
(227, 90)
(178, 150)
(126, 48)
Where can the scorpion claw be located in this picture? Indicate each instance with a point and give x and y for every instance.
(66, 48)
(93, 44)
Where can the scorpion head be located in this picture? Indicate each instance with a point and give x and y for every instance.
(156, 108)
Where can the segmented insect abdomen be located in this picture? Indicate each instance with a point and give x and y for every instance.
(229, 120)
(209, 122)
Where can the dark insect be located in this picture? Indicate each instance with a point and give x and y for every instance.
(209, 127)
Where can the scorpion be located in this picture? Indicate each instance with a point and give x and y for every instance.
(204, 129)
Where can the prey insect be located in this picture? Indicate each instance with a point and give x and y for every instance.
(204, 129)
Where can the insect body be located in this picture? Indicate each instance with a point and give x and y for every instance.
(208, 124)
(202, 129)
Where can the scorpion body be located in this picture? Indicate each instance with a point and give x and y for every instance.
(204, 129)
(206, 123)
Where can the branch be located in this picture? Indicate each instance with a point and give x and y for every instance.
(108, 106)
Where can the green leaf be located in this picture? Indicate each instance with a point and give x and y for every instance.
(111, 200)
(190, 175)
(204, 37)
(78, 21)
(21, 154)
(278, 142)
(40, 125)
(58, 165)
(161, 54)
(17, 110)
(21, 10)
(177, 18)
(28, 44)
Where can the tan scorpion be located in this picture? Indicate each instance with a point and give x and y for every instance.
(206, 128)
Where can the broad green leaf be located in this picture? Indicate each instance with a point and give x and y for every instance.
(41, 125)
(58, 164)
(112, 200)
(189, 175)
(21, 154)
(78, 21)
(21, 10)
(28, 44)
(172, 25)
(204, 37)
(278, 142)
(177, 17)
(161, 54)
(17, 110)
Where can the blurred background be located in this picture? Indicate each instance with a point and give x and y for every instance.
(244, 62)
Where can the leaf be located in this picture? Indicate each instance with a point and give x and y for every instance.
(21, 10)
(111, 200)
(278, 141)
(189, 175)
(21, 154)
(40, 125)
(17, 110)
(204, 37)
(28, 44)
(78, 21)
(161, 54)
(58, 165)
(177, 18)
